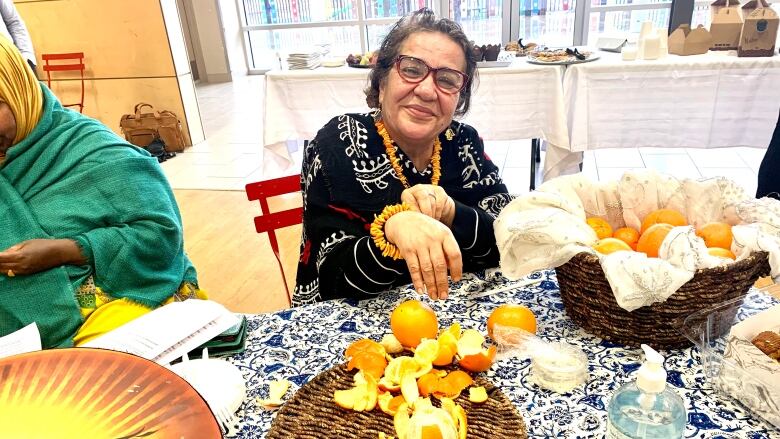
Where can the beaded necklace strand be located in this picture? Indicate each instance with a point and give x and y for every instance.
(390, 149)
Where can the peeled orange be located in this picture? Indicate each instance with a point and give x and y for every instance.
(516, 316)
(629, 235)
(652, 238)
(721, 252)
(610, 245)
(665, 216)
(600, 226)
(413, 321)
(716, 235)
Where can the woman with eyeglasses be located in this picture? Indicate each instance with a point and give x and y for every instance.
(404, 193)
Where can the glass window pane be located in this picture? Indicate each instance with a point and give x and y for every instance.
(480, 19)
(394, 8)
(375, 33)
(547, 22)
(625, 22)
(259, 12)
(264, 45)
(626, 2)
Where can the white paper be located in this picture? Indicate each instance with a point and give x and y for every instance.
(27, 339)
(169, 332)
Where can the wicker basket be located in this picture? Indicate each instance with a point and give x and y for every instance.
(312, 413)
(589, 301)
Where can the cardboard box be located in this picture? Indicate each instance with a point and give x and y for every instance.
(726, 29)
(751, 6)
(749, 375)
(717, 5)
(759, 33)
(685, 41)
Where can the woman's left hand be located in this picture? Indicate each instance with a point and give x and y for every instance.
(430, 200)
(36, 255)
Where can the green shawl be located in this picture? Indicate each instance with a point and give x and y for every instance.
(74, 178)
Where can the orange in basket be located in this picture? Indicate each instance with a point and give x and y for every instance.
(413, 321)
(516, 316)
(666, 216)
(721, 252)
(600, 226)
(716, 235)
(611, 245)
(629, 235)
(651, 239)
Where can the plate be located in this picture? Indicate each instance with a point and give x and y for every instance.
(572, 60)
(333, 62)
(90, 393)
(362, 66)
(311, 412)
(493, 63)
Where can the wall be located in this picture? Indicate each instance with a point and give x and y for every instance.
(211, 47)
(128, 56)
(234, 37)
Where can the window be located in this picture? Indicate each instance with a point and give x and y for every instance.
(275, 27)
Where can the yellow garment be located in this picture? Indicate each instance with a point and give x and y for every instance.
(20, 89)
(107, 313)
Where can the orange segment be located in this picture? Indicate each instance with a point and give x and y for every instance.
(716, 235)
(600, 226)
(364, 345)
(370, 363)
(413, 321)
(663, 216)
(611, 245)
(651, 240)
(479, 362)
(721, 253)
(516, 316)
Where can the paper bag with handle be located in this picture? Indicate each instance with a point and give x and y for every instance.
(141, 128)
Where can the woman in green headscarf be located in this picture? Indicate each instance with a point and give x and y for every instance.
(90, 233)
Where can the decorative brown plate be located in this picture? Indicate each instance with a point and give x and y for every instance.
(95, 393)
(311, 413)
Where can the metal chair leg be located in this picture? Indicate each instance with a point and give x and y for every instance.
(534, 161)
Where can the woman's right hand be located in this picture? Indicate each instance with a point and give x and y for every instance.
(429, 249)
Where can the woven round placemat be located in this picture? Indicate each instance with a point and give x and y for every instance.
(312, 413)
(589, 301)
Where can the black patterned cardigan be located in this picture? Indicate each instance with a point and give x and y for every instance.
(347, 179)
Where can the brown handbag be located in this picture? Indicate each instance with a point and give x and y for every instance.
(141, 129)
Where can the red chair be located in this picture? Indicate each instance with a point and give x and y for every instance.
(270, 222)
(76, 65)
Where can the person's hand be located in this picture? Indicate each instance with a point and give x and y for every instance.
(429, 250)
(430, 200)
(36, 255)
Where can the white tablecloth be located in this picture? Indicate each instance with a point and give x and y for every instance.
(702, 101)
(521, 101)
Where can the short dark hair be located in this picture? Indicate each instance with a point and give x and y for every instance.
(423, 20)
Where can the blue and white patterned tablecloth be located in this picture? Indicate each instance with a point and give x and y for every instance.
(297, 344)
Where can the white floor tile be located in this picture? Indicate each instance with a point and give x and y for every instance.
(744, 177)
(518, 154)
(644, 151)
(678, 165)
(716, 158)
(752, 156)
(619, 158)
(517, 180)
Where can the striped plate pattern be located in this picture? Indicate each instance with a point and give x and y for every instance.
(94, 393)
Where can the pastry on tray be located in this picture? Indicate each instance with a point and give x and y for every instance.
(768, 342)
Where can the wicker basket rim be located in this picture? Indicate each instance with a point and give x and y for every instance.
(753, 258)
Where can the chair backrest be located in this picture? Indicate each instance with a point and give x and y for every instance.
(269, 222)
(75, 64)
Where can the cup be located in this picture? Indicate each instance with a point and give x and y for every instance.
(629, 52)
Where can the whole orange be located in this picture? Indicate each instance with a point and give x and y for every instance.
(413, 321)
(610, 245)
(666, 216)
(600, 226)
(516, 316)
(629, 235)
(721, 252)
(652, 238)
(716, 235)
